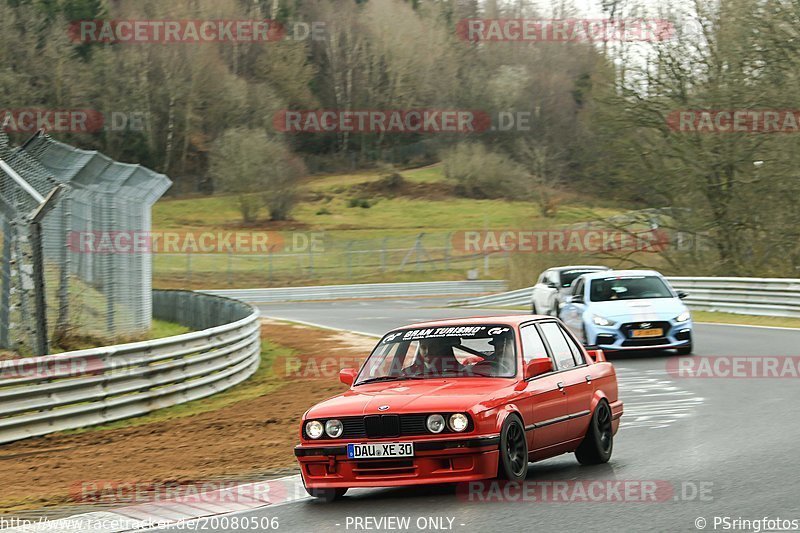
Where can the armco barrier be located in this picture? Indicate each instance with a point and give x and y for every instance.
(40, 395)
(752, 296)
(374, 290)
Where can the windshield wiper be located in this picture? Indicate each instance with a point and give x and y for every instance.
(388, 378)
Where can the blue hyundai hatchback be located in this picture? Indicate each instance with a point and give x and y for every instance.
(628, 310)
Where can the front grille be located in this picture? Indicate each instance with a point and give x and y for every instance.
(385, 426)
(384, 468)
(377, 426)
(656, 341)
(627, 329)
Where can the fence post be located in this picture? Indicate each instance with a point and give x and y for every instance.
(41, 345)
(270, 264)
(62, 321)
(5, 298)
(447, 240)
(349, 259)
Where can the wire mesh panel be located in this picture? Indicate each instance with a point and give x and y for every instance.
(96, 262)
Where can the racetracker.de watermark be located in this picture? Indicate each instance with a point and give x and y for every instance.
(31, 120)
(735, 367)
(200, 242)
(212, 491)
(558, 240)
(140, 31)
(734, 120)
(564, 30)
(52, 367)
(585, 491)
(384, 121)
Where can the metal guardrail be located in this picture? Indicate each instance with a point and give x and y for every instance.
(374, 290)
(40, 395)
(751, 296)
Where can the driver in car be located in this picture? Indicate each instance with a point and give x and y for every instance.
(500, 357)
(435, 356)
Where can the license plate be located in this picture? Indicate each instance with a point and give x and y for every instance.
(655, 332)
(380, 450)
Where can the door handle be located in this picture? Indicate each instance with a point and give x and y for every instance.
(588, 379)
(560, 386)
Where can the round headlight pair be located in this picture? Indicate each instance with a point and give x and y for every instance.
(458, 422)
(333, 428)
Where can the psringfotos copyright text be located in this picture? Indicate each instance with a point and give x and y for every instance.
(757, 525)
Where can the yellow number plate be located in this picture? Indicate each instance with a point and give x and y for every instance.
(656, 332)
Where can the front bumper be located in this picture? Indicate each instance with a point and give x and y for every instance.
(434, 461)
(617, 337)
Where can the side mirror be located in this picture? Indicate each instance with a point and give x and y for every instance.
(682, 294)
(348, 376)
(537, 367)
(552, 285)
(576, 299)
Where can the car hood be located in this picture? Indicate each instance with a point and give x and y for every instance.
(417, 396)
(636, 310)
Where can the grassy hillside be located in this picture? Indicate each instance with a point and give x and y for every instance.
(369, 228)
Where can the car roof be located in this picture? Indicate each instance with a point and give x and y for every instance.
(506, 320)
(621, 273)
(579, 267)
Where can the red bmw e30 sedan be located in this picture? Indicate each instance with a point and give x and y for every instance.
(461, 400)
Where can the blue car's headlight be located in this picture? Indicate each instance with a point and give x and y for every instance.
(683, 317)
(600, 321)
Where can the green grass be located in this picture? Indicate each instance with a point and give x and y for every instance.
(158, 330)
(262, 382)
(351, 234)
(749, 320)
(161, 329)
(386, 218)
(715, 318)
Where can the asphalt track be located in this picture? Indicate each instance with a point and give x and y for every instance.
(727, 447)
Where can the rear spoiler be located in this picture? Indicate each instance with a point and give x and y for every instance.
(596, 354)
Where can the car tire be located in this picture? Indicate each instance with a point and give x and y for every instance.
(685, 350)
(534, 311)
(326, 495)
(598, 443)
(513, 463)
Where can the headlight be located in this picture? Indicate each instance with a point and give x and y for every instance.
(600, 321)
(435, 423)
(334, 428)
(683, 317)
(314, 429)
(458, 422)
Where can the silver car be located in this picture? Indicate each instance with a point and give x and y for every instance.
(554, 285)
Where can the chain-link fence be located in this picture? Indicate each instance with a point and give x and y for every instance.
(322, 258)
(89, 291)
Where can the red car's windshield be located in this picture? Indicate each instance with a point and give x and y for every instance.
(469, 350)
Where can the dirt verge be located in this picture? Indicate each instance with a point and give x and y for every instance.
(245, 440)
